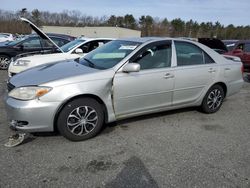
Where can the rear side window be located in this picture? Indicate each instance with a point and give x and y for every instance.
(58, 41)
(208, 59)
(190, 54)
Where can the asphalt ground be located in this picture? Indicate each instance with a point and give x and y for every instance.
(181, 148)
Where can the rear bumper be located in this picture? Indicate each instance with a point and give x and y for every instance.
(31, 116)
(234, 87)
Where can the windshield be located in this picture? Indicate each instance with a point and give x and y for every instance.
(69, 46)
(109, 55)
(4, 35)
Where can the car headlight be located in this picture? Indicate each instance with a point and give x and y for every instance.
(21, 62)
(29, 92)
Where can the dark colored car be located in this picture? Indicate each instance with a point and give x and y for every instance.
(68, 37)
(216, 44)
(242, 50)
(33, 43)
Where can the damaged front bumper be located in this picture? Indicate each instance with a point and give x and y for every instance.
(31, 116)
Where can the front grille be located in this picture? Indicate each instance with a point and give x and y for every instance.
(10, 86)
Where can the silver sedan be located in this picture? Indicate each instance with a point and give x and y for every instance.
(121, 79)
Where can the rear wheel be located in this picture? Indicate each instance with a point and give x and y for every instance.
(4, 62)
(80, 119)
(213, 99)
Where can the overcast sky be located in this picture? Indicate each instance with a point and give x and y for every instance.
(227, 12)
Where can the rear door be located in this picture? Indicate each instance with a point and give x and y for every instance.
(149, 89)
(195, 70)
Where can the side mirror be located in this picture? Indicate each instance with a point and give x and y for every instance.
(131, 67)
(238, 51)
(78, 51)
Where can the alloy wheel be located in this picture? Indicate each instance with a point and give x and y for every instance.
(214, 99)
(4, 62)
(82, 120)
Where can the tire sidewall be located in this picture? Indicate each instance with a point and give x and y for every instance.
(69, 107)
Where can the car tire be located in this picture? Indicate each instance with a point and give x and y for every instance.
(4, 62)
(80, 119)
(213, 99)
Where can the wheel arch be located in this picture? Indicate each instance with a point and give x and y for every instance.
(95, 97)
(223, 85)
(5, 54)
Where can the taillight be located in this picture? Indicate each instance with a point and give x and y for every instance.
(242, 69)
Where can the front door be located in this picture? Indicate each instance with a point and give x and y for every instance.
(149, 89)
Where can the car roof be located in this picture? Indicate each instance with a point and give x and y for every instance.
(91, 39)
(243, 41)
(6, 33)
(142, 39)
(51, 36)
(152, 39)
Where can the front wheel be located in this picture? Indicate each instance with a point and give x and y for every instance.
(213, 99)
(4, 62)
(80, 119)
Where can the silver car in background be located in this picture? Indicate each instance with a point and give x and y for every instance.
(121, 79)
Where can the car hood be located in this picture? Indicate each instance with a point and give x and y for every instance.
(40, 32)
(50, 72)
(44, 57)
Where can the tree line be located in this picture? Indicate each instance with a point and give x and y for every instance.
(149, 26)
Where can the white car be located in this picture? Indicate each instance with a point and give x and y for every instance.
(4, 37)
(69, 51)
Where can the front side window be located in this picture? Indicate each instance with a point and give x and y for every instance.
(109, 55)
(154, 56)
(189, 54)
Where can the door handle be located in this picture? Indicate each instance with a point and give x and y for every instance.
(168, 75)
(227, 69)
(211, 70)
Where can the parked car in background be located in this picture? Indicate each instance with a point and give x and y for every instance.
(121, 79)
(33, 43)
(230, 44)
(216, 44)
(213, 43)
(5, 37)
(72, 50)
(242, 50)
(67, 37)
